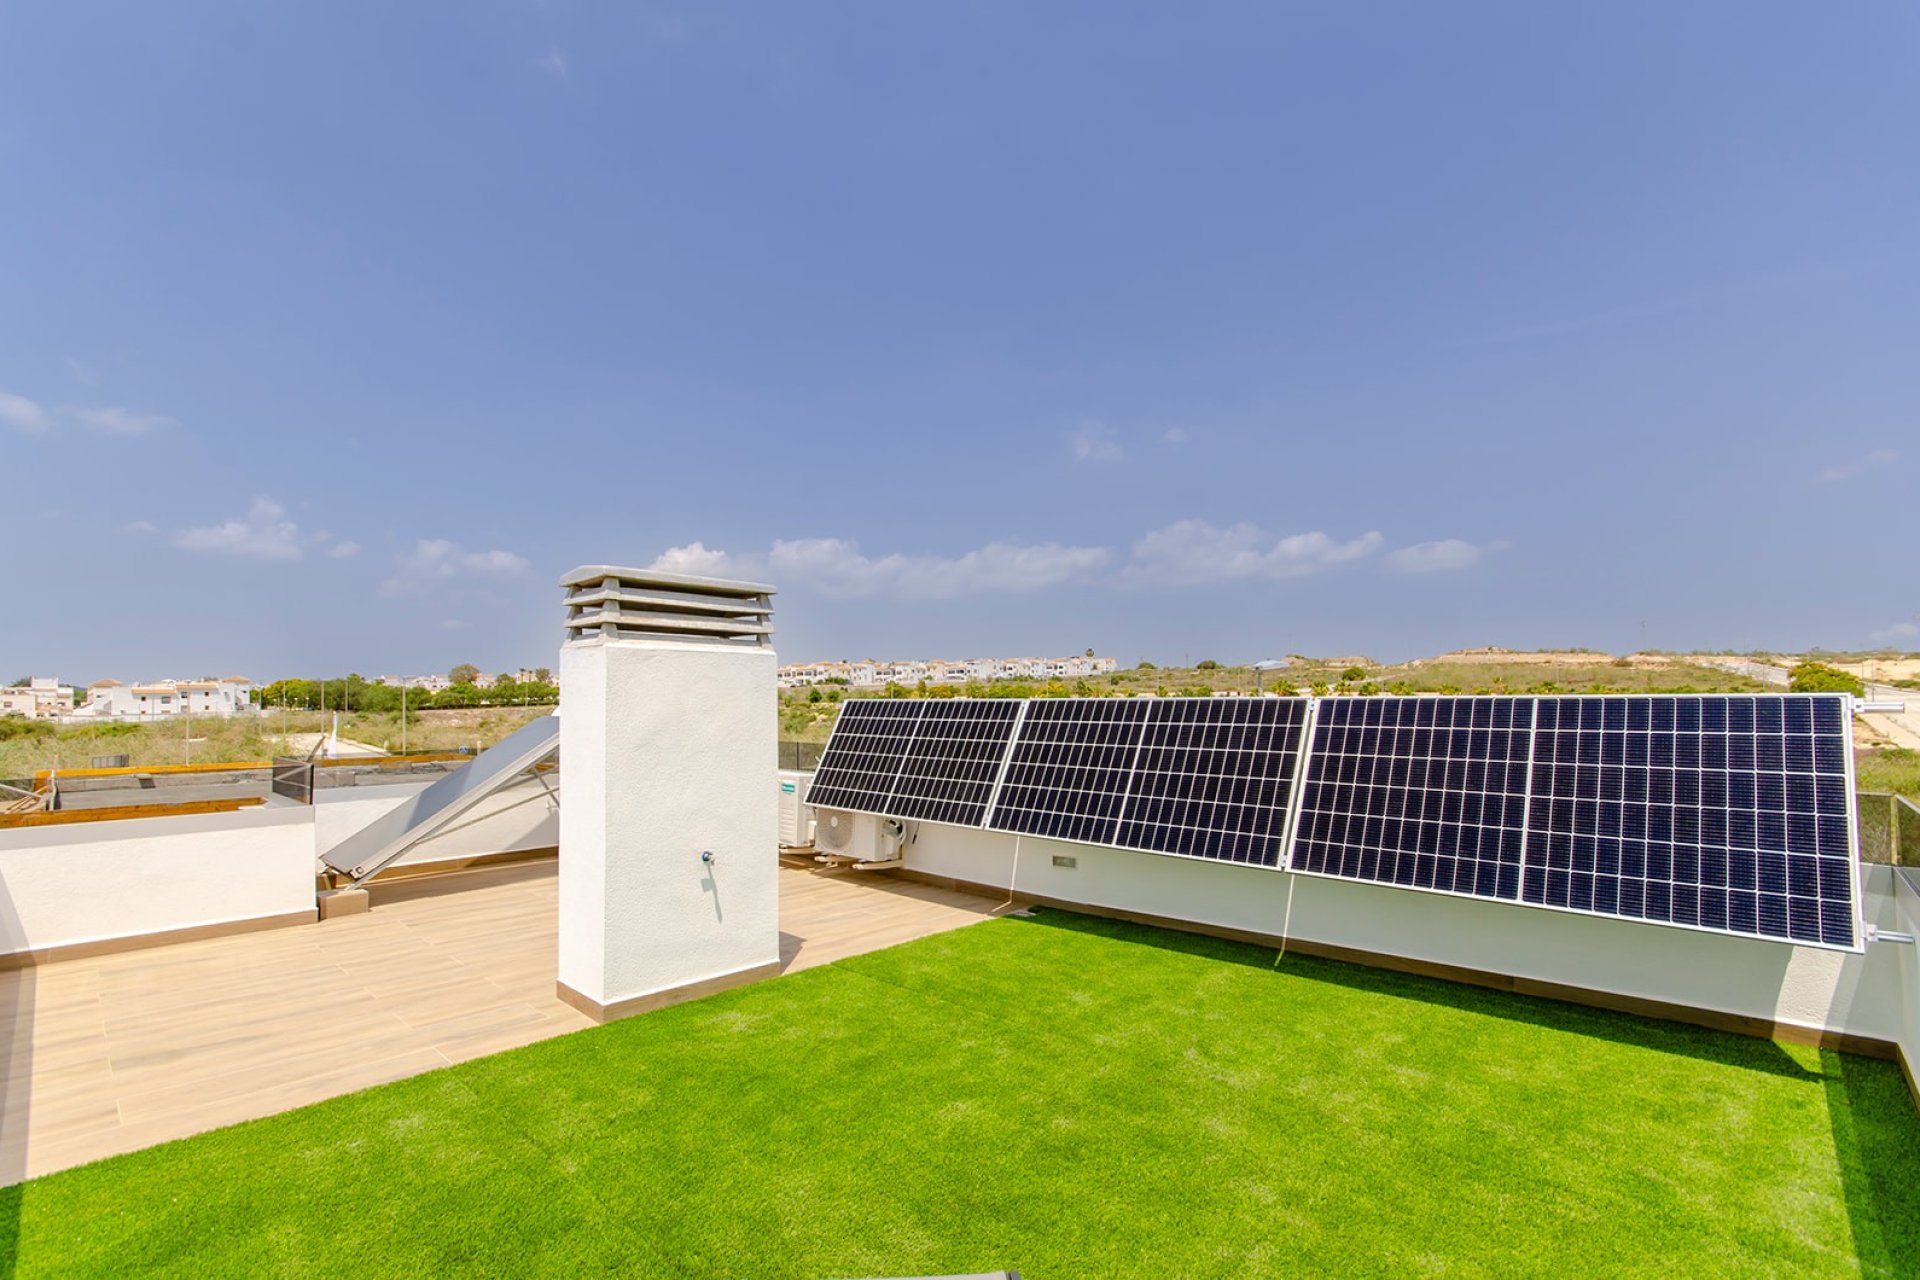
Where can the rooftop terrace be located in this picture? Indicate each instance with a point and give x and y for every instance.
(1062, 1094)
(105, 1055)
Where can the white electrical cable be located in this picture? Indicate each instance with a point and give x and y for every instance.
(1015, 876)
(1286, 920)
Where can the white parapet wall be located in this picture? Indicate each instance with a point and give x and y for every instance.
(1875, 995)
(65, 890)
(1903, 915)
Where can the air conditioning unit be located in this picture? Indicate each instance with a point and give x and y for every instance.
(862, 837)
(796, 816)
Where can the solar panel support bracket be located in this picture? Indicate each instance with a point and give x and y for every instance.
(1875, 934)
(1886, 708)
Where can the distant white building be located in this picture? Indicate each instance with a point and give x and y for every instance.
(112, 700)
(40, 698)
(432, 684)
(869, 674)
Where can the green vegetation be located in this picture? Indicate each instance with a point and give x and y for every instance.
(12, 727)
(1893, 769)
(807, 719)
(75, 746)
(356, 693)
(41, 745)
(1818, 677)
(1064, 1095)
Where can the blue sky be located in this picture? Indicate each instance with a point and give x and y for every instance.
(330, 335)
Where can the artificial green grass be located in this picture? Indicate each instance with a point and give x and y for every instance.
(1064, 1095)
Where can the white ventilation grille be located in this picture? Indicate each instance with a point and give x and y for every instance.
(607, 601)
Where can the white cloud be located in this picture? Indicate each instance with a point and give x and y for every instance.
(264, 533)
(139, 527)
(439, 558)
(114, 421)
(1175, 435)
(1192, 551)
(1093, 441)
(1184, 553)
(709, 562)
(1442, 556)
(1848, 470)
(837, 567)
(553, 62)
(1900, 633)
(22, 414)
(343, 550)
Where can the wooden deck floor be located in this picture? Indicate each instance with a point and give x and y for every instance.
(115, 1053)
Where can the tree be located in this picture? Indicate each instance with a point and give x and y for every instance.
(465, 673)
(1818, 677)
(1207, 664)
(542, 675)
(1146, 666)
(1089, 651)
(1354, 673)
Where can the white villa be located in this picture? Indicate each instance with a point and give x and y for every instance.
(40, 697)
(871, 673)
(112, 700)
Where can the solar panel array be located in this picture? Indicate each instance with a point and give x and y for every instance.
(1430, 793)
(1070, 768)
(949, 769)
(862, 759)
(1213, 778)
(932, 761)
(1726, 812)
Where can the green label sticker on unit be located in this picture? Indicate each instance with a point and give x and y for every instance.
(786, 788)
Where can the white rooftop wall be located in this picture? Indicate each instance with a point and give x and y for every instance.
(90, 882)
(1871, 995)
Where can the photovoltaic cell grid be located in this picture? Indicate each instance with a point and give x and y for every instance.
(933, 761)
(862, 759)
(1726, 813)
(949, 768)
(1428, 793)
(1213, 778)
(1069, 768)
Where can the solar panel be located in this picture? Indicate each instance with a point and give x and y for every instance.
(862, 759)
(1426, 793)
(1729, 813)
(950, 766)
(1213, 778)
(1069, 768)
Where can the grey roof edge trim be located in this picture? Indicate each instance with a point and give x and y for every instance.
(594, 574)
